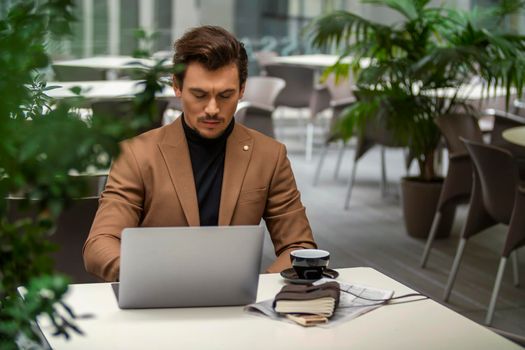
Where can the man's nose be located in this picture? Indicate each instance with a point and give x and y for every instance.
(212, 108)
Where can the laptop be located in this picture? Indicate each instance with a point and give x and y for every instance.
(162, 267)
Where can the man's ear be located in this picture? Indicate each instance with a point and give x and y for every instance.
(176, 88)
(241, 93)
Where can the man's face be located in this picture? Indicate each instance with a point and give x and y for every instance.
(209, 98)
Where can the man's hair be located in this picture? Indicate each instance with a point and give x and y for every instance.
(213, 47)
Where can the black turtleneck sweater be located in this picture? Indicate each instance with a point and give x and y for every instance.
(207, 161)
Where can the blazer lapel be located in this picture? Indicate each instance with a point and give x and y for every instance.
(174, 149)
(238, 153)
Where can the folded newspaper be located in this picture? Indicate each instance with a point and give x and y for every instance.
(352, 303)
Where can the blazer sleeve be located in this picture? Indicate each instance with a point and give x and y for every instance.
(120, 206)
(285, 215)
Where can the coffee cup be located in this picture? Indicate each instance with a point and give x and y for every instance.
(309, 263)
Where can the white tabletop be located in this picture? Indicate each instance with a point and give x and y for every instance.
(107, 62)
(314, 61)
(104, 89)
(317, 60)
(473, 92)
(515, 135)
(416, 325)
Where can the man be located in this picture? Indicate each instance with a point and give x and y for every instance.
(202, 169)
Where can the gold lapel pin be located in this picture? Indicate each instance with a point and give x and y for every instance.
(246, 147)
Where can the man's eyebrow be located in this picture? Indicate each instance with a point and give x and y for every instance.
(227, 91)
(197, 90)
(201, 91)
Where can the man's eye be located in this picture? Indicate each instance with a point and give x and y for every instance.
(226, 95)
(200, 96)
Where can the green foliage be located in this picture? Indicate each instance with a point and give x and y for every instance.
(42, 143)
(145, 43)
(42, 298)
(429, 49)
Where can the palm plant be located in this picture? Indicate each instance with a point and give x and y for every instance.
(431, 49)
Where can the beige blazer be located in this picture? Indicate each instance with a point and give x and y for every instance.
(151, 185)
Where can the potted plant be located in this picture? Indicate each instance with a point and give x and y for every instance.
(42, 142)
(411, 62)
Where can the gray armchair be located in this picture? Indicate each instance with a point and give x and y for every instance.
(301, 92)
(258, 103)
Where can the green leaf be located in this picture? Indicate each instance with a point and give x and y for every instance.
(76, 90)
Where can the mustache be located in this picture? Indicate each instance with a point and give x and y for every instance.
(214, 118)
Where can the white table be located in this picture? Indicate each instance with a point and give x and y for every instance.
(107, 62)
(515, 135)
(103, 90)
(110, 64)
(475, 92)
(417, 325)
(471, 92)
(314, 61)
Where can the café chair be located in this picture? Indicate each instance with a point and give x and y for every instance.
(333, 137)
(503, 121)
(70, 232)
(258, 104)
(73, 73)
(301, 93)
(263, 58)
(341, 97)
(497, 196)
(457, 184)
(374, 133)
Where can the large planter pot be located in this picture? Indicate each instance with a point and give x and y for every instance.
(420, 199)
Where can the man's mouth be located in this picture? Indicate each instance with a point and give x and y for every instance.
(211, 122)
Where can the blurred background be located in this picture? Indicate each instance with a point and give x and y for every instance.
(107, 27)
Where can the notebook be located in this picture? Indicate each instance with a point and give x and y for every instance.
(319, 299)
(165, 267)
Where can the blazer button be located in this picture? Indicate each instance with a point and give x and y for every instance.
(246, 147)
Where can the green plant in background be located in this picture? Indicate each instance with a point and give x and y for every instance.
(430, 48)
(42, 142)
(145, 42)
